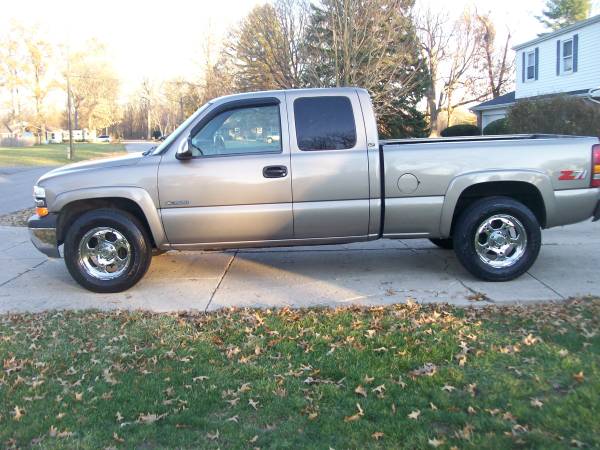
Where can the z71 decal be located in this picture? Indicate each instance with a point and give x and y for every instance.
(569, 175)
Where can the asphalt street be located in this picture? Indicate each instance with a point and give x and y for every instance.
(16, 187)
(375, 273)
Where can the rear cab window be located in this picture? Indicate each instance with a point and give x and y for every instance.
(324, 123)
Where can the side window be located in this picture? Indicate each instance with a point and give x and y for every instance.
(531, 65)
(568, 56)
(244, 130)
(324, 123)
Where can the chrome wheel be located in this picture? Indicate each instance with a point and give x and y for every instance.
(104, 253)
(500, 241)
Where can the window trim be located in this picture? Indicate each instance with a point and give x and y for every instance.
(354, 121)
(233, 105)
(527, 66)
(571, 56)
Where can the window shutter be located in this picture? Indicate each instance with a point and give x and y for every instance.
(537, 62)
(575, 51)
(558, 57)
(524, 69)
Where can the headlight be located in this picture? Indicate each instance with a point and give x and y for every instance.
(39, 192)
(39, 196)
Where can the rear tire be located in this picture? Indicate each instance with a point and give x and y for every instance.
(107, 250)
(446, 244)
(497, 238)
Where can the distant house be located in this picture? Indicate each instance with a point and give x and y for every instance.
(566, 61)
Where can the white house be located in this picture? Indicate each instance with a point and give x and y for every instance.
(566, 61)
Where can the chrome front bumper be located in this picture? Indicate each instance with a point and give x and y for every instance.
(42, 232)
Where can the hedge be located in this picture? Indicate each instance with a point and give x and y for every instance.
(499, 126)
(463, 129)
(555, 115)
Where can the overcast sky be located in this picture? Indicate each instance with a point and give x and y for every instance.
(161, 39)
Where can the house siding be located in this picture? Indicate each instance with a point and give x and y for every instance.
(548, 82)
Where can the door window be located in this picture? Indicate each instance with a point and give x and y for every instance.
(324, 123)
(246, 130)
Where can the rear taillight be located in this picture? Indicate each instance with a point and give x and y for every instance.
(596, 166)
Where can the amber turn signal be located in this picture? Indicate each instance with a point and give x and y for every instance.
(41, 212)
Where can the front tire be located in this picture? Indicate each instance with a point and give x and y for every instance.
(107, 250)
(497, 239)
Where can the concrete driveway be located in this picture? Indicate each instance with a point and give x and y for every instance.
(375, 273)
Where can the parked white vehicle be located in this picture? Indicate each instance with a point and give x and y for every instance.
(103, 138)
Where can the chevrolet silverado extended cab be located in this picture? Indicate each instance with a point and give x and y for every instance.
(306, 167)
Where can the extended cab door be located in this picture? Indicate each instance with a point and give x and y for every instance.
(330, 167)
(237, 186)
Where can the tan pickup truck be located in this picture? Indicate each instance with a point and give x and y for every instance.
(306, 167)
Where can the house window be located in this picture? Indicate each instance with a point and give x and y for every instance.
(531, 66)
(567, 56)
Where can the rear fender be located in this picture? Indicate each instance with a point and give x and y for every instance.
(457, 186)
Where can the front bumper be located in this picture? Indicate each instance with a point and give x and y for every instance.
(42, 232)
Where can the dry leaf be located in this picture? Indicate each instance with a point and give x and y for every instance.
(579, 377)
(536, 403)
(414, 415)
(377, 435)
(213, 436)
(117, 438)
(18, 413)
(448, 388)
(356, 416)
(360, 390)
(429, 370)
(435, 442)
(253, 403)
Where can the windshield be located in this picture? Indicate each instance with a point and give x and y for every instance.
(179, 129)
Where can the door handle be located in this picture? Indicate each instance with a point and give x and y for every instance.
(275, 172)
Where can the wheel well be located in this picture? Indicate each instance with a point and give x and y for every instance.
(520, 191)
(71, 211)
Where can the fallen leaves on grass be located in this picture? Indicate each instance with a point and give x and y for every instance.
(356, 416)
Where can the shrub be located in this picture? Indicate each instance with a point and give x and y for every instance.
(555, 115)
(463, 129)
(499, 126)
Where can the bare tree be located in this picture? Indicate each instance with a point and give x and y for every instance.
(452, 50)
(497, 63)
(267, 47)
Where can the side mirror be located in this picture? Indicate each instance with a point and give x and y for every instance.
(184, 152)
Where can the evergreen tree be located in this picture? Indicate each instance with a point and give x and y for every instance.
(561, 13)
(370, 44)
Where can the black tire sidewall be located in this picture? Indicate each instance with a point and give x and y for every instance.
(471, 219)
(133, 231)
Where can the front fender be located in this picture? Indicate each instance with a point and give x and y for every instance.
(138, 195)
(457, 186)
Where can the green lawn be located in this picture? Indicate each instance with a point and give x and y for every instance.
(55, 154)
(405, 376)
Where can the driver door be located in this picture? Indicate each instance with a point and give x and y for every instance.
(237, 187)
